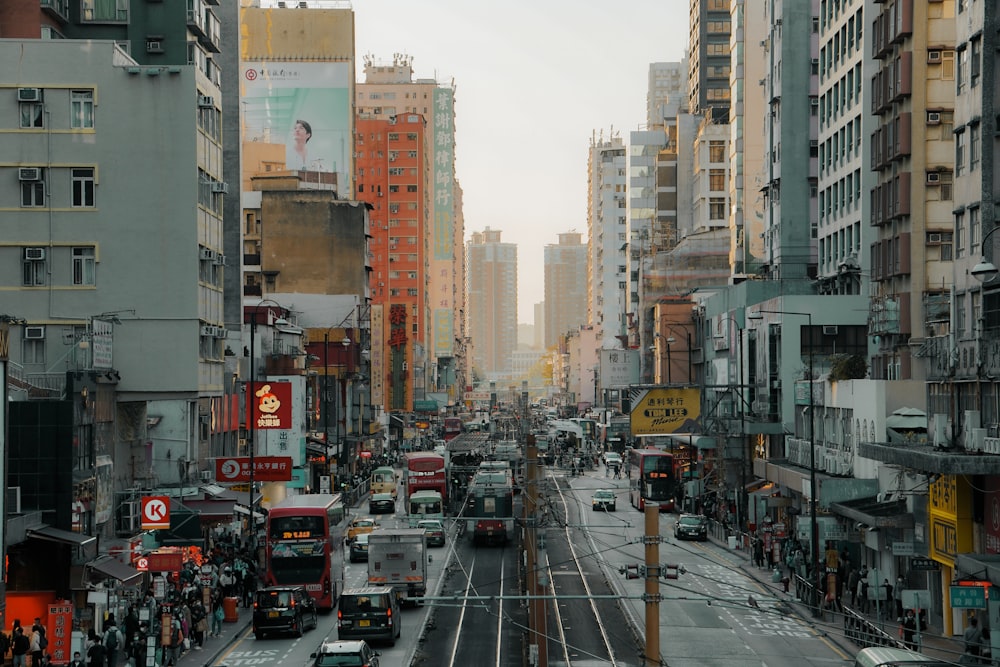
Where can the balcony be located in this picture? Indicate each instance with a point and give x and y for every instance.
(830, 460)
(57, 9)
(252, 290)
(251, 259)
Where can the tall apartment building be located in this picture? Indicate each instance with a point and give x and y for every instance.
(492, 303)
(845, 68)
(391, 172)
(112, 233)
(909, 288)
(791, 138)
(565, 286)
(607, 234)
(959, 181)
(709, 26)
(746, 143)
(390, 91)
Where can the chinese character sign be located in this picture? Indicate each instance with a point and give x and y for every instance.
(270, 404)
(60, 632)
(266, 469)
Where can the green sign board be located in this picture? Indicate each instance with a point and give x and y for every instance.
(968, 597)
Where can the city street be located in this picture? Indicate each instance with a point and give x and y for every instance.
(706, 617)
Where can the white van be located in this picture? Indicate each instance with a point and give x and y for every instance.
(885, 656)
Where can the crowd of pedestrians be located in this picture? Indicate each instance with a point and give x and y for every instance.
(193, 604)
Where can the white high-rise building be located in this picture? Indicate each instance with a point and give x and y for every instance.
(607, 230)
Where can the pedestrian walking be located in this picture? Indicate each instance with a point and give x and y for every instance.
(36, 649)
(863, 591)
(758, 552)
(973, 637)
(97, 653)
(897, 594)
(217, 617)
(113, 643)
(909, 629)
(20, 646)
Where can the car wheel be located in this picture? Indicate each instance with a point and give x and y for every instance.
(258, 634)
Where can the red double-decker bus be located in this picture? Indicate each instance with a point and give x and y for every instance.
(452, 427)
(305, 546)
(425, 471)
(651, 478)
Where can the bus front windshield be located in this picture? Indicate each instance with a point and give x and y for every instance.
(425, 507)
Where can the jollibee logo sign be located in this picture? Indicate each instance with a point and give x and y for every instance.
(271, 405)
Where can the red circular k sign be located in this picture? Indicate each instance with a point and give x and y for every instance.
(155, 512)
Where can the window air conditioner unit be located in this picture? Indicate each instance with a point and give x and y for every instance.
(814, 101)
(209, 330)
(933, 177)
(934, 56)
(220, 332)
(206, 253)
(933, 118)
(34, 333)
(220, 259)
(220, 187)
(830, 330)
(34, 254)
(205, 101)
(29, 174)
(934, 237)
(206, 475)
(815, 61)
(153, 46)
(29, 94)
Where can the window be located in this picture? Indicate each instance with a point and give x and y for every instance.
(959, 152)
(973, 231)
(33, 193)
(34, 267)
(961, 70)
(83, 187)
(84, 266)
(32, 114)
(717, 208)
(975, 67)
(959, 234)
(946, 246)
(105, 10)
(974, 148)
(717, 180)
(81, 109)
(716, 151)
(33, 351)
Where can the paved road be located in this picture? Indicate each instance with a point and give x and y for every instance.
(706, 617)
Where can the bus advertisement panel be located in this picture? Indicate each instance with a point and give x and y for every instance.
(425, 471)
(651, 478)
(305, 546)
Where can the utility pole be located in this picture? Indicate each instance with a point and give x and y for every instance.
(537, 631)
(651, 538)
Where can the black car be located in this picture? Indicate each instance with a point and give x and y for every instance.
(283, 609)
(691, 527)
(381, 503)
(359, 548)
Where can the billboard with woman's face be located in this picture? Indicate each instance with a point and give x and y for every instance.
(303, 106)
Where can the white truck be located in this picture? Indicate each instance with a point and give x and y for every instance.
(398, 558)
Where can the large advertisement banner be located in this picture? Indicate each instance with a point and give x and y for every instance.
(666, 410)
(443, 222)
(304, 106)
(270, 404)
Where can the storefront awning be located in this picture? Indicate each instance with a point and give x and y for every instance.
(212, 510)
(62, 536)
(875, 514)
(112, 568)
(979, 566)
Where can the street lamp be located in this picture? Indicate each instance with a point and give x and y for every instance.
(741, 503)
(985, 271)
(669, 340)
(326, 401)
(812, 446)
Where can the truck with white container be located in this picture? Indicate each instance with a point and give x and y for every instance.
(397, 558)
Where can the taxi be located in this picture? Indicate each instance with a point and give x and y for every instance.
(362, 524)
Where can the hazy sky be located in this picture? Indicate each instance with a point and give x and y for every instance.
(534, 81)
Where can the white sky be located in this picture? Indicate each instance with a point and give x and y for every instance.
(535, 79)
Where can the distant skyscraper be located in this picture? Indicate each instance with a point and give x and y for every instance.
(492, 303)
(607, 233)
(565, 286)
(709, 64)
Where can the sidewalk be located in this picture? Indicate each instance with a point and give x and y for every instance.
(216, 646)
(833, 626)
